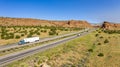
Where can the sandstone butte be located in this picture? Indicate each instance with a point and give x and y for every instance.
(6, 21)
(111, 26)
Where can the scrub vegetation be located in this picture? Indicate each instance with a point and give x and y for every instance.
(12, 34)
(90, 50)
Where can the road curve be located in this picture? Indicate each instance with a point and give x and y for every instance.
(4, 60)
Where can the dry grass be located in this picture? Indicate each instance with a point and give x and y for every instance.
(70, 52)
(75, 53)
(110, 50)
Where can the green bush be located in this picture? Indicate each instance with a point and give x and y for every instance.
(100, 54)
(7, 35)
(11, 35)
(51, 33)
(99, 43)
(112, 31)
(57, 34)
(97, 35)
(38, 33)
(45, 31)
(90, 50)
(22, 34)
(106, 41)
(42, 30)
(101, 37)
(31, 33)
(17, 37)
(99, 32)
(66, 29)
(2, 36)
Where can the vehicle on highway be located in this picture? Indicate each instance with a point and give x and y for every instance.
(78, 34)
(28, 40)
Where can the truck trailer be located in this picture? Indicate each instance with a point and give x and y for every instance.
(28, 40)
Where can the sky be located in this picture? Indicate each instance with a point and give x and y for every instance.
(93, 11)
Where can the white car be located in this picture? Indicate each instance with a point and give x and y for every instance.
(78, 34)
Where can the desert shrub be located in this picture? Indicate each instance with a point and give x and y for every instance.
(66, 29)
(44, 30)
(25, 31)
(90, 50)
(112, 31)
(51, 33)
(11, 35)
(106, 41)
(109, 37)
(35, 66)
(2, 36)
(31, 33)
(53, 29)
(101, 37)
(22, 34)
(57, 34)
(100, 54)
(61, 29)
(7, 35)
(97, 35)
(38, 33)
(99, 32)
(35, 31)
(99, 43)
(17, 37)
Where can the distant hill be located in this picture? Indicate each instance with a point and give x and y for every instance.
(111, 26)
(6, 21)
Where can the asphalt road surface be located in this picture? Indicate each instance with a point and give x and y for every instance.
(4, 60)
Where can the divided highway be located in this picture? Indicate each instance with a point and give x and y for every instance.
(4, 47)
(4, 60)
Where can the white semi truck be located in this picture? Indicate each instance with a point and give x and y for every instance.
(28, 40)
(78, 34)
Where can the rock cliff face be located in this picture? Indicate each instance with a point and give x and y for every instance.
(35, 22)
(74, 23)
(111, 26)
